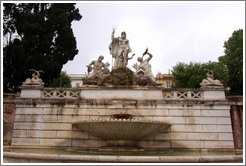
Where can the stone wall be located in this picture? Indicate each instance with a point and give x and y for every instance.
(237, 120)
(195, 123)
(8, 117)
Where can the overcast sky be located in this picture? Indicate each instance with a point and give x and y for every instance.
(173, 31)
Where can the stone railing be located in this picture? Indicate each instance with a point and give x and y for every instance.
(182, 93)
(115, 93)
(60, 93)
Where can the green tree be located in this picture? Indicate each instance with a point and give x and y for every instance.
(233, 60)
(62, 81)
(191, 75)
(45, 41)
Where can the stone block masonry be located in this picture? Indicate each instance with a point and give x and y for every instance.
(195, 123)
(8, 117)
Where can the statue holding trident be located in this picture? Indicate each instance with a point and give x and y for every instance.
(119, 47)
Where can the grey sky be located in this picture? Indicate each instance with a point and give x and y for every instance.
(173, 31)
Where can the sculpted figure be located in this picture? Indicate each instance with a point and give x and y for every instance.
(119, 46)
(35, 80)
(210, 80)
(144, 68)
(122, 62)
(99, 70)
(36, 75)
(98, 67)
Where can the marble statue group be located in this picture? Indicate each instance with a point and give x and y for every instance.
(120, 48)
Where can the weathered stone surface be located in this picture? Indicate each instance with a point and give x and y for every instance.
(203, 136)
(217, 128)
(222, 120)
(43, 126)
(36, 118)
(192, 121)
(32, 93)
(121, 94)
(187, 144)
(186, 128)
(184, 112)
(55, 142)
(71, 119)
(25, 141)
(171, 136)
(155, 144)
(72, 134)
(40, 134)
(12, 157)
(201, 120)
(221, 113)
(8, 113)
(218, 144)
(170, 120)
(88, 143)
(226, 136)
(19, 133)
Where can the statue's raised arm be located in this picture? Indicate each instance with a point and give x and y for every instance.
(112, 35)
(150, 55)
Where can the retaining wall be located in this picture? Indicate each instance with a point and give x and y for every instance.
(196, 123)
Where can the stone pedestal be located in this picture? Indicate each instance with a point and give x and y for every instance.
(31, 91)
(213, 93)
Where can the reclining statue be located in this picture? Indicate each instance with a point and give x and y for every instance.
(99, 68)
(35, 80)
(210, 82)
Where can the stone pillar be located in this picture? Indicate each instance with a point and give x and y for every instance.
(8, 117)
(237, 126)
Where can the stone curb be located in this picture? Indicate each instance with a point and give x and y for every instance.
(125, 159)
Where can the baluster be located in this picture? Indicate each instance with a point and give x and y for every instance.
(175, 94)
(67, 93)
(189, 94)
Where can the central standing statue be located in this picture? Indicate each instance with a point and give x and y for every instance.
(119, 49)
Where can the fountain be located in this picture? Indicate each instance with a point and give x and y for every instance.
(121, 110)
(122, 130)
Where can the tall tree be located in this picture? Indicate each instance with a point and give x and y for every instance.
(191, 75)
(233, 60)
(45, 40)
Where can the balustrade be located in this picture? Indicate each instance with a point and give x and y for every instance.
(60, 93)
(182, 94)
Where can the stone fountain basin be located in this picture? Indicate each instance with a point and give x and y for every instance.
(121, 129)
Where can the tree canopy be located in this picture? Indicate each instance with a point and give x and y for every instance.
(191, 75)
(233, 60)
(62, 81)
(229, 69)
(43, 40)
